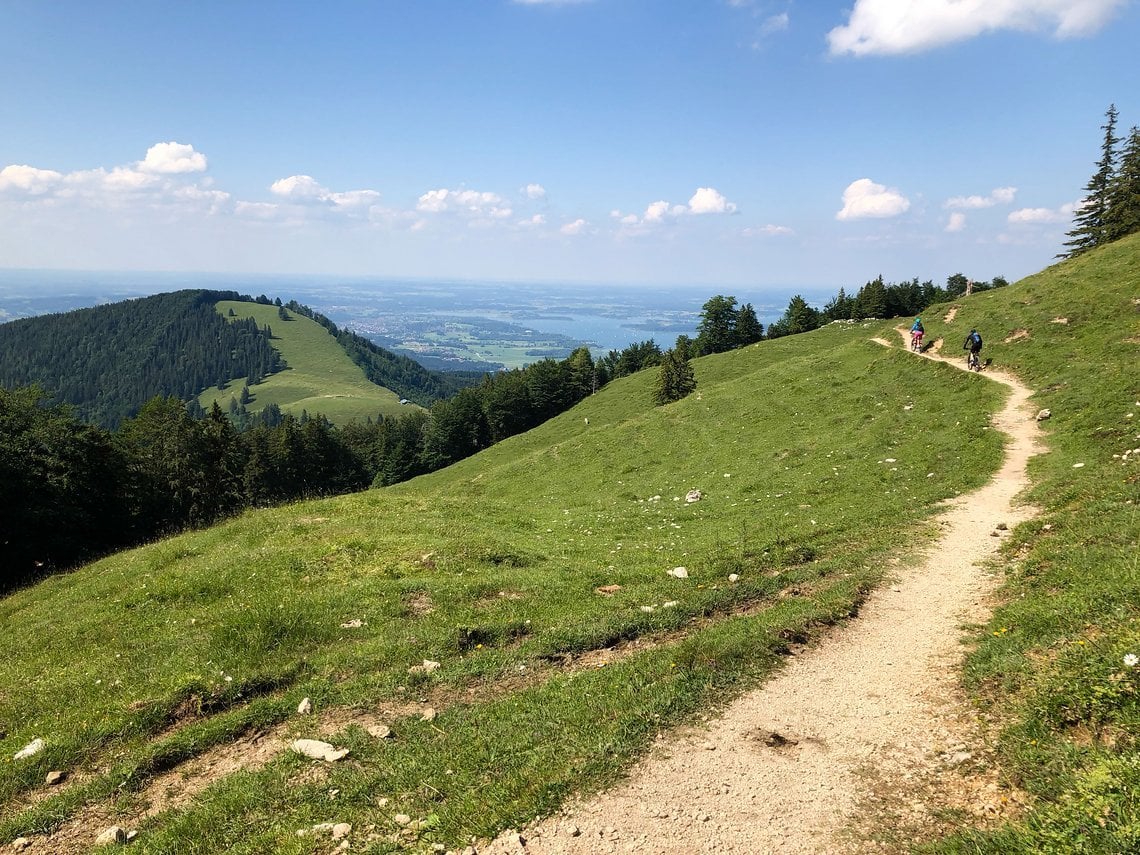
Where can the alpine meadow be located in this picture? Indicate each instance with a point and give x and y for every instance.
(488, 639)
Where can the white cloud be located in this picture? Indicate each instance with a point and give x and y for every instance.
(911, 26)
(171, 158)
(306, 189)
(471, 203)
(29, 179)
(656, 212)
(999, 195)
(574, 228)
(864, 199)
(957, 222)
(535, 191)
(297, 187)
(705, 200)
(708, 201)
(766, 231)
(775, 24)
(1038, 215)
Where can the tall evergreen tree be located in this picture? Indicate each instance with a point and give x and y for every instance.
(871, 301)
(675, 379)
(1088, 229)
(799, 316)
(748, 328)
(716, 332)
(1123, 215)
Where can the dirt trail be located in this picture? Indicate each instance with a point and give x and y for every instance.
(866, 728)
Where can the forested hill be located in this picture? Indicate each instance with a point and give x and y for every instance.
(109, 360)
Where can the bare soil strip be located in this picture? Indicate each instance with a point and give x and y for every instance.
(864, 734)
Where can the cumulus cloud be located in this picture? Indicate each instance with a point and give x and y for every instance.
(575, 228)
(171, 158)
(29, 179)
(864, 199)
(164, 177)
(705, 200)
(912, 26)
(471, 203)
(956, 223)
(1039, 215)
(708, 201)
(306, 189)
(535, 191)
(998, 196)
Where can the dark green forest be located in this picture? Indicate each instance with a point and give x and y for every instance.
(107, 361)
(71, 491)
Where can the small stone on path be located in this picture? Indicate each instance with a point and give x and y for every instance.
(318, 750)
(55, 777)
(114, 834)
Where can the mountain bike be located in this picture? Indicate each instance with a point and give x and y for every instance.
(916, 341)
(972, 361)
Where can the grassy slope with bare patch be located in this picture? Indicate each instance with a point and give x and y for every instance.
(1051, 669)
(817, 456)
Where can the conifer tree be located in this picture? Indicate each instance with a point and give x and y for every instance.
(675, 379)
(748, 328)
(1089, 220)
(1123, 215)
(716, 332)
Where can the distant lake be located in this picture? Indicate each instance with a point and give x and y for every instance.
(609, 317)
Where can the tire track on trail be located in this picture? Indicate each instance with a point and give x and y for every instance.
(866, 732)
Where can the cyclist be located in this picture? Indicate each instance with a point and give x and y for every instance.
(916, 333)
(973, 344)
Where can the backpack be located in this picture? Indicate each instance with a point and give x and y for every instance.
(977, 339)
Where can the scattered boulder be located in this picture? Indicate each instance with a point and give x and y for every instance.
(115, 834)
(30, 750)
(318, 750)
(428, 714)
(341, 830)
(679, 573)
(379, 731)
(1042, 415)
(607, 590)
(428, 666)
(734, 577)
(355, 623)
(305, 707)
(20, 844)
(55, 777)
(402, 819)
(693, 496)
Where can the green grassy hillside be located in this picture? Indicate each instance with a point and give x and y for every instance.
(320, 378)
(819, 458)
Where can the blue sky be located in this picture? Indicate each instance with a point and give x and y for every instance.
(745, 143)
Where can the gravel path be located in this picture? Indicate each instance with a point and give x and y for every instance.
(866, 721)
